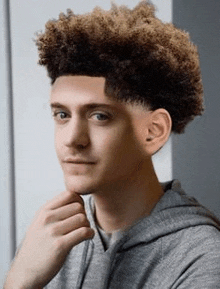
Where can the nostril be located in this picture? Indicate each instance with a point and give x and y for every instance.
(80, 146)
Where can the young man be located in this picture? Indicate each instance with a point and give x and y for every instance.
(122, 81)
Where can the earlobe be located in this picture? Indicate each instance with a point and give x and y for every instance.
(159, 129)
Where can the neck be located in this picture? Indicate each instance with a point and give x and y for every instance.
(120, 205)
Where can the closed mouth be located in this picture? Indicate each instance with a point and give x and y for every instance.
(78, 161)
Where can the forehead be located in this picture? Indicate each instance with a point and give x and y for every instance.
(79, 91)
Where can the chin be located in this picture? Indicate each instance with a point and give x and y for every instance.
(79, 186)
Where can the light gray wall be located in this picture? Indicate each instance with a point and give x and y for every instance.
(196, 154)
(38, 176)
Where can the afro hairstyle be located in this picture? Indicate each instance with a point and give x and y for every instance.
(142, 59)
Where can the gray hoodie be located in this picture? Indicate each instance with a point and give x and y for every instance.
(177, 246)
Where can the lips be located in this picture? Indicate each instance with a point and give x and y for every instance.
(73, 160)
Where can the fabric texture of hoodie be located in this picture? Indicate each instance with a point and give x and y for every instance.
(177, 246)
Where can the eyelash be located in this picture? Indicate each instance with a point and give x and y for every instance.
(107, 117)
(56, 113)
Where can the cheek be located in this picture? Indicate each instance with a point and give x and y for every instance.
(116, 144)
(106, 140)
(58, 145)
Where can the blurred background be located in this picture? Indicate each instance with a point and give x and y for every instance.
(29, 171)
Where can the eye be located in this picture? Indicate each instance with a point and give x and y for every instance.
(99, 116)
(59, 115)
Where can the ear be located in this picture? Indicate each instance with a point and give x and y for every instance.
(158, 130)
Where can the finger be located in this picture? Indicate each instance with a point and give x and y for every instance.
(71, 224)
(75, 237)
(64, 198)
(66, 211)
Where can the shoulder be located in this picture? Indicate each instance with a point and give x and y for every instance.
(202, 236)
(195, 254)
(200, 240)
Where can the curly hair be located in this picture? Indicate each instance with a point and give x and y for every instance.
(142, 59)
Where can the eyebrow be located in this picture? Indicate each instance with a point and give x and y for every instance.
(57, 105)
(85, 106)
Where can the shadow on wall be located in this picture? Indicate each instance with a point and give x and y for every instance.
(196, 157)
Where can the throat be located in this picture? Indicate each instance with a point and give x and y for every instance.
(120, 209)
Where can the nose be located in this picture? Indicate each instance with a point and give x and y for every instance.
(77, 134)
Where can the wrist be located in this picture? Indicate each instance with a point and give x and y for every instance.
(14, 280)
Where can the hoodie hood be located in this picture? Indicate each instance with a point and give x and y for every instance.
(174, 211)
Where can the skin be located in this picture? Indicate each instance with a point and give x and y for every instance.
(104, 148)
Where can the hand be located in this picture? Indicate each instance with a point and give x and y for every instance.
(57, 227)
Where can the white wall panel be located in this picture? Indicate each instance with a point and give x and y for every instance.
(163, 159)
(6, 152)
(38, 175)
